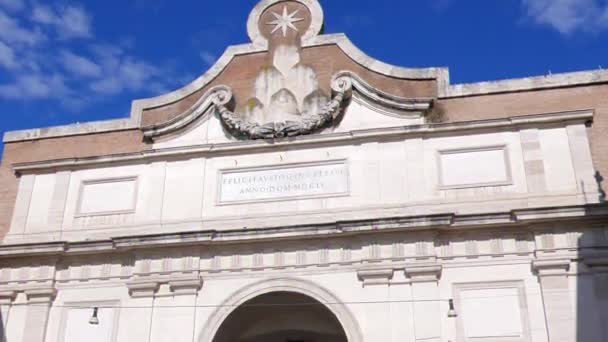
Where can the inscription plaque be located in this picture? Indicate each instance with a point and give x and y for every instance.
(284, 182)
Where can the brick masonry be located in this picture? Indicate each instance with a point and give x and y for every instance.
(327, 60)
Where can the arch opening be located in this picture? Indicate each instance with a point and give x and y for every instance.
(281, 317)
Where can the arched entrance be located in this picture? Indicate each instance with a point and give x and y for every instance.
(281, 317)
(311, 292)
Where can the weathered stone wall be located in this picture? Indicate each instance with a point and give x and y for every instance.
(539, 102)
(57, 148)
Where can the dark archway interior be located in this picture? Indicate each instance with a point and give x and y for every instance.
(281, 317)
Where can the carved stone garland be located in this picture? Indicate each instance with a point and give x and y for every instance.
(341, 89)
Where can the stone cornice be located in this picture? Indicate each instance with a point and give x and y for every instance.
(44, 292)
(309, 141)
(526, 84)
(345, 228)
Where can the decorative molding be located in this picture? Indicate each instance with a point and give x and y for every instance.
(351, 137)
(342, 312)
(40, 294)
(143, 287)
(423, 273)
(507, 167)
(7, 297)
(340, 163)
(85, 183)
(186, 285)
(329, 112)
(258, 40)
(519, 286)
(210, 99)
(435, 223)
(370, 93)
(551, 267)
(179, 284)
(371, 277)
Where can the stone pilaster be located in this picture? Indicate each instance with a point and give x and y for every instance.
(6, 300)
(39, 302)
(533, 160)
(559, 309)
(175, 306)
(427, 307)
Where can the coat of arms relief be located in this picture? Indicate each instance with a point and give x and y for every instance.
(287, 100)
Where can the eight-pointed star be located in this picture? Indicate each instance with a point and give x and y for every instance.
(284, 21)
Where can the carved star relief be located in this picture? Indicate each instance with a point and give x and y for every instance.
(284, 22)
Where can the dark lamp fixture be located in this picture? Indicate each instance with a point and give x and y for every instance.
(452, 312)
(94, 320)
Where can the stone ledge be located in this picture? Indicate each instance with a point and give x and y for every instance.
(40, 295)
(337, 228)
(311, 140)
(142, 288)
(526, 84)
(149, 286)
(187, 285)
(424, 273)
(7, 297)
(371, 277)
(551, 267)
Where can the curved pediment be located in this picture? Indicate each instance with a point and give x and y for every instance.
(292, 81)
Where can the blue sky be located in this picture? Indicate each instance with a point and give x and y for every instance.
(73, 61)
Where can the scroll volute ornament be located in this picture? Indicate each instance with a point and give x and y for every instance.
(286, 100)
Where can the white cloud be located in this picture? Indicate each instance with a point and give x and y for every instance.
(78, 65)
(40, 60)
(568, 16)
(208, 57)
(69, 21)
(33, 86)
(11, 31)
(7, 57)
(125, 73)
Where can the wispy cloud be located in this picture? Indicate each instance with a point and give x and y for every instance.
(34, 86)
(12, 31)
(7, 57)
(79, 66)
(68, 21)
(569, 16)
(51, 53)
(12, 5)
